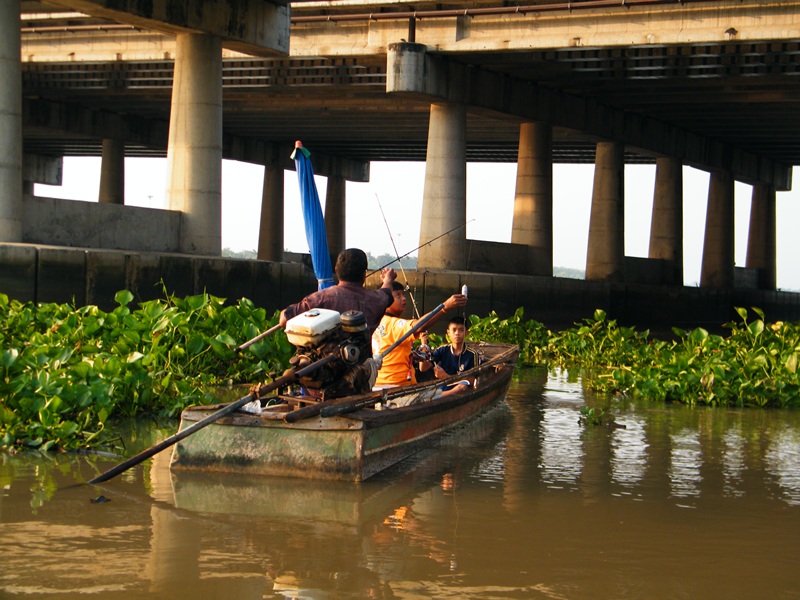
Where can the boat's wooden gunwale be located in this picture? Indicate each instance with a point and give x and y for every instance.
(376, 418)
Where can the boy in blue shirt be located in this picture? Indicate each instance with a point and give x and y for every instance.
(453, 359)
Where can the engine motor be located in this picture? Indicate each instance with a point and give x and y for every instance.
(320, 332)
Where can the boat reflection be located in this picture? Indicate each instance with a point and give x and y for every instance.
(336, 501)
(367, 528)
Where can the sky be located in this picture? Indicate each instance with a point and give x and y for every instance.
(397, 188)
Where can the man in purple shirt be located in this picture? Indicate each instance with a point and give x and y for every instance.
(349, 293)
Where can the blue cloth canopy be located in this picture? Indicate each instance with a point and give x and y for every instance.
(312, 216)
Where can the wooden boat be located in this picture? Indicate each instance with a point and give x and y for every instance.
(341, 502)
(373, 431)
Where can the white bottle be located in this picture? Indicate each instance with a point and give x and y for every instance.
(464, 290)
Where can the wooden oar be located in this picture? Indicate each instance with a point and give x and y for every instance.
(145, 454)
(312, 410)
(258, 338)
(354, 404)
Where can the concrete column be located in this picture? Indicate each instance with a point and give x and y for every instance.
(666, 226)
(606, 252)
(761, 242)
(112, 173)
(270, 231)
(718, 258)
(10, 124)
(533, 198)
(444, 203)
(194, 156)
(335, 210)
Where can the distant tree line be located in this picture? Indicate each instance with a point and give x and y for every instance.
(408, 262)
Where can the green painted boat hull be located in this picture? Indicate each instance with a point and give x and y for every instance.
(352, 447)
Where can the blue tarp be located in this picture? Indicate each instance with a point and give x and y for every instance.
(312, 216)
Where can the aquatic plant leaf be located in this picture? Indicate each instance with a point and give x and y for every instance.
(9, 357)
(224, 338)
(791, 362)
(133, 357)
(196, 344)
(123, 297)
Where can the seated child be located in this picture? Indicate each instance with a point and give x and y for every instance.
(453, 359)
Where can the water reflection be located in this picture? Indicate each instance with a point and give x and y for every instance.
(524, 503)
(783, 462)
(629, 453)
(562, 448)
(561, 461)
(733, 462)
(686, 460)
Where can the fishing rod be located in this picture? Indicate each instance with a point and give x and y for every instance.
(396, 253)
(379, 269)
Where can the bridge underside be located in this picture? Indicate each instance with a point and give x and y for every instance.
(711, 84)
(731, 80)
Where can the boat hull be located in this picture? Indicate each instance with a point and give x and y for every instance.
(351, 447)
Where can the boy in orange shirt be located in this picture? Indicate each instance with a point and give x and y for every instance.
(397, 368)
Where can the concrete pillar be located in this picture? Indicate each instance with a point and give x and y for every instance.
(270, 231)
(761, 242)
(718, 258)
(533, 198)
(444, 203)
(194, 156)
(606, 252)
(10, 124)
(666, 225)
(335, 210)
(112, 173)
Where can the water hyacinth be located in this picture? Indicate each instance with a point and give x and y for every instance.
(755, 365)
(66, 371)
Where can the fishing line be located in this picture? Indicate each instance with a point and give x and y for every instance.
(397, 254)
(441, 235)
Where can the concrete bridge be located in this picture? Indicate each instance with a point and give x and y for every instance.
(705, 83)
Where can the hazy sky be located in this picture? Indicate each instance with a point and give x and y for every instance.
(490, 200)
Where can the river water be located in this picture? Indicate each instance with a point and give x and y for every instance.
(668, 502)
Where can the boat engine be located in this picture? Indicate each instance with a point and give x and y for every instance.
(319, 333)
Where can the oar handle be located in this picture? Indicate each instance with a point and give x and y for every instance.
(290, 377)
(312, 410)
(258, 338)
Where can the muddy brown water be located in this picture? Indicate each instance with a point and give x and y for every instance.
(523, 503)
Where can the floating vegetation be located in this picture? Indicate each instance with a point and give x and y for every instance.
(65, 372)
(755, 365)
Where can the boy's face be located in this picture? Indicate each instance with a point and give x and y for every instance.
(456, 333)
(397, 307)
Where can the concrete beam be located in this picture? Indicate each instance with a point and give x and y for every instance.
(42, 169)
(254, 27)
(74, 119)
(413, 71)
(530, 26)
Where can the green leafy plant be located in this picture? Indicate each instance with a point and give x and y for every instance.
(755, 365)
(66, 371)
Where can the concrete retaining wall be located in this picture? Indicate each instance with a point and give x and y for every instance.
(74, 223)
(87, 276)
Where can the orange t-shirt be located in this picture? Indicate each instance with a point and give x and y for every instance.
(396, 368)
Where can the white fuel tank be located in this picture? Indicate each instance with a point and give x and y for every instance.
(312, 327)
